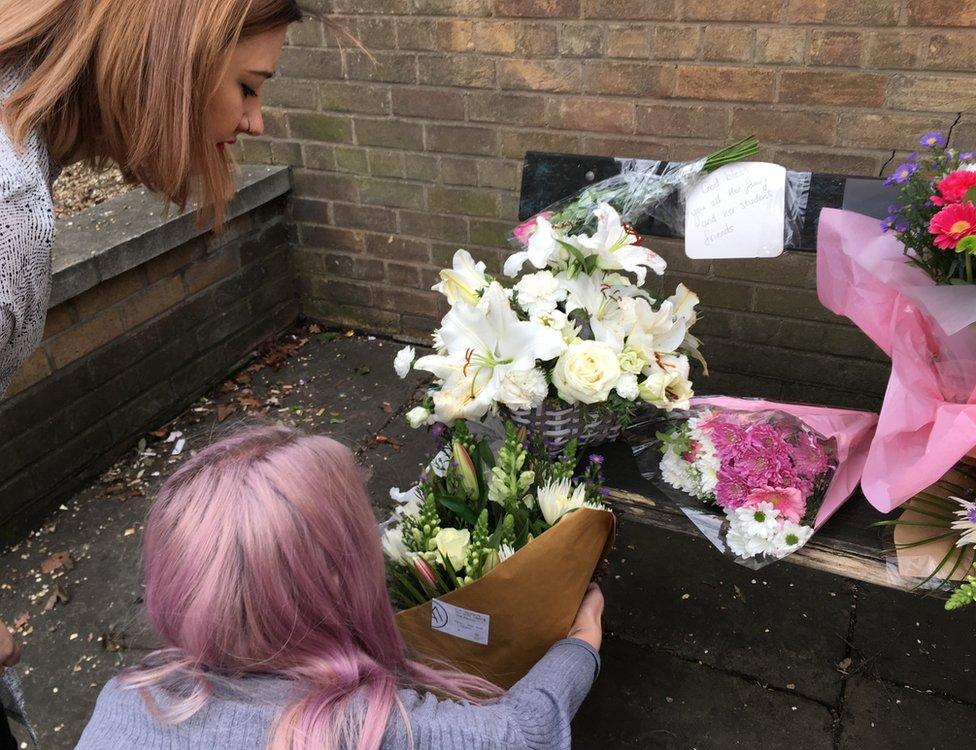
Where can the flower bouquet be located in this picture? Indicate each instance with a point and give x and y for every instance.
(575, 332)
(936, 218)
(641, 189)
(766, 472)
(492, 551)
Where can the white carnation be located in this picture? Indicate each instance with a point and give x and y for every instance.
(404, 360)
(523, 389)
(627, 386)
(539, 292)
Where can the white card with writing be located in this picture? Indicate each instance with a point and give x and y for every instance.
(737, 211)
(459, 622)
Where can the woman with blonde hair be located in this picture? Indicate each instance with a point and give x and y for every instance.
(265, 582)
(160, 88)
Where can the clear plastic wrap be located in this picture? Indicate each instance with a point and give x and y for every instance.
(656, 190)
(752, 482)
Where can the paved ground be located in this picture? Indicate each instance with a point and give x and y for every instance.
(700, 653)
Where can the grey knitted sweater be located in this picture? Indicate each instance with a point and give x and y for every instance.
(535, 714)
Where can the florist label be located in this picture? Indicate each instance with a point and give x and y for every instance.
(461, 623)
(737, 211)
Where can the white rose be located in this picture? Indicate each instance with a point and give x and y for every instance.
(653, 390)
(404, 360)
(523, 389)
(452, 544)
(464, 281)
(418, 416)
(627, 387)
(586, 372)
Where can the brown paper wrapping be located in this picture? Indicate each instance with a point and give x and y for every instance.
(531, 598)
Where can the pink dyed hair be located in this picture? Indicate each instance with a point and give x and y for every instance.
(263, 557)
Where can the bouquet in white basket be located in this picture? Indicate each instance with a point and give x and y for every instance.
(575, 326)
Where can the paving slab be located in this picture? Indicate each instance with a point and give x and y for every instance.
(912, 640)
(783, 625)
(890, 717)
(647, 699)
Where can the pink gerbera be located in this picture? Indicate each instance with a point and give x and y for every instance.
(953, 223)
(787, 500)
(953, 187)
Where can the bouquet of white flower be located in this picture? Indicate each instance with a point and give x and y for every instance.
(577, 328)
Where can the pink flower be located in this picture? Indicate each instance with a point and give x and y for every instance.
(808, 457)
(725, 434)
(953, 223)
(787, 500)
(731, 489)
(527, 228)
(768, 438)
(954, 186)
(760, 467)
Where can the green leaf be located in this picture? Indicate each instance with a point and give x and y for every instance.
(458, 508)
(970, 196)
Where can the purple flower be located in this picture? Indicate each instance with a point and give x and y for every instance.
(971, 514)
(596, 458)
(901, 226)
(967, 155)
(888, 223)
(932, 140)
(902, 174)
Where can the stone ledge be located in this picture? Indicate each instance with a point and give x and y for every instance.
(128, 230)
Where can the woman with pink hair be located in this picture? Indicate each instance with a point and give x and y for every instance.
(265, 580)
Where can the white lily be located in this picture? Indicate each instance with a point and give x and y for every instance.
(604, 313)
(482, 346)
(464, 281)
(616, 249)
(685, 301)
(542, 247)
(558, 498)
(655, 331)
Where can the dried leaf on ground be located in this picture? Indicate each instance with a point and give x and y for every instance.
(224, 411)
(21, 620)
(844, 664)
(57, 561)
(249, 401)
(59, 595)
(387, 407)
(113, 639)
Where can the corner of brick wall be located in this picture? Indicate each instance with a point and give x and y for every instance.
(399, 163)
(133, 351)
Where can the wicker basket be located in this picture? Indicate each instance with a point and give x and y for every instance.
(558, 423)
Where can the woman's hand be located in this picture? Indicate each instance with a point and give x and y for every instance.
(9, 650)
(588, 625)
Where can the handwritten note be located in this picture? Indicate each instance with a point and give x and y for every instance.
(737, 211)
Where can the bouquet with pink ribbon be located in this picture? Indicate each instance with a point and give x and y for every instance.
(928, 418)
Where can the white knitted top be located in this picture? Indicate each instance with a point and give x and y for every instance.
(26, 238)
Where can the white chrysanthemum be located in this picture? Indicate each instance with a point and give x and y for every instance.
(627, 386)
(404, 360)
(539, 292)
(761, 521)
(558, 498)
(737, 543)
(505, 551)
(707, 462)
(679, 473)
(790, 538)
(523, 389)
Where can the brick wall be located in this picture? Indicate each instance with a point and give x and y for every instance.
(133, 351)
(401, 162)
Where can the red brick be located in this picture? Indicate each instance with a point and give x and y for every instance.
(766, 11)
(432, 104)
(447, 7)
(953, 50)
(377, 33)
(85, 337)
(511, 109)
(539, 75)
(510, 37)
(672, 120)
(581, 40)
(516, 142)
(779, 126)
(416, 34)
(840, 89)
(109, 292)
(458, 70)
(210, 269)
(676, 42)
(630, 10)
(34, 369)
(629, 42)
(455, 35)
(151, 301)
(780, 45)
(728, 43)
(59, 318)
(887, 131)
(844, 12)
(636, 80)
(538, 8)
(598, 115)
(837, 48)
(932, 93)
(724, 83)
(895, 49)
(462, 139)
(818, 160)
(628, 147)
(942, 13)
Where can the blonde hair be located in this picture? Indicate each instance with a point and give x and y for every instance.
(129, 82)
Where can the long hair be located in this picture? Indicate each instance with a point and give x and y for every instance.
(129, 81)
(262, 557)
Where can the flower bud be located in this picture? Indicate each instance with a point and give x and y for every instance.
(466, 468)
